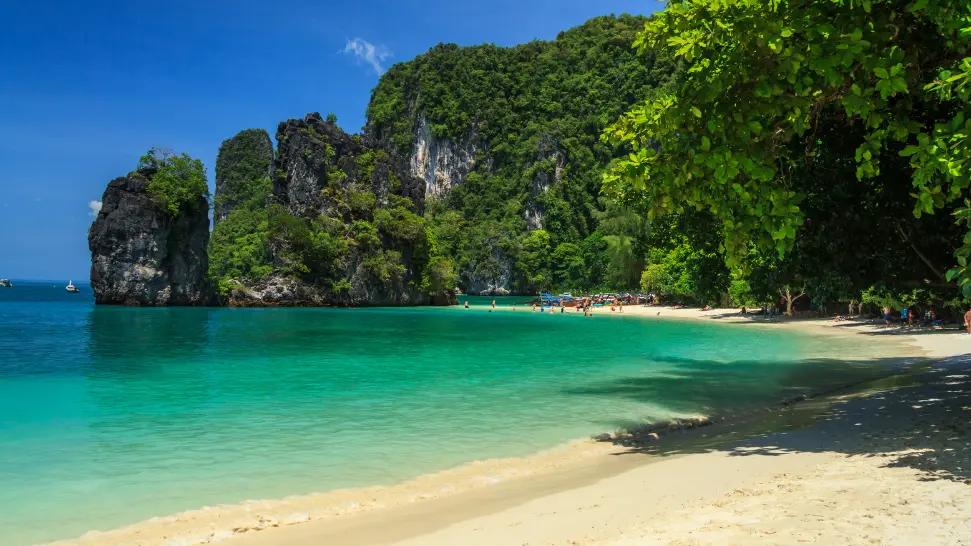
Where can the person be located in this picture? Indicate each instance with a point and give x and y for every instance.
(744, 310)
(910, 318)
(903, 316)
(493, 304)
(562, 309)
(967, 320)
(534, 306)
(886, 314)
(466, 304)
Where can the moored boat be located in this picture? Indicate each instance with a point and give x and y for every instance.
(5, 283)
(71, 288)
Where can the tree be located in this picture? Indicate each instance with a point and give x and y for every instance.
(765, 76)
(332, 118)
(177, 183)
(570, 266)
(534, 259)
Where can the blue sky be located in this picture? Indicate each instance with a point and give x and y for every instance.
(87, 87)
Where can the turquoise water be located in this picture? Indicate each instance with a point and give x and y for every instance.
(109, 416)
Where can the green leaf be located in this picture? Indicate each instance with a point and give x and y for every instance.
(951, 273)
(705, 143)
(786, 32)
(696, 111)
(909, 150)
(881, 73)
(763, 173)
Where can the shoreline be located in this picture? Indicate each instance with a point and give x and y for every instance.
(462, 492)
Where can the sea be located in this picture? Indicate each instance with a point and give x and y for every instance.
(111, 415)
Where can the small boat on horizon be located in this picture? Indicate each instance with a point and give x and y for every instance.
(71, 288)
(5, 283)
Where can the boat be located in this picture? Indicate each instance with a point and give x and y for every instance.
(5, 283)
(71, 288)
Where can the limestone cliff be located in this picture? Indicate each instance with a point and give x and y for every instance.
(440, 162)
(244, 168)
(141, 255)
(345, 225)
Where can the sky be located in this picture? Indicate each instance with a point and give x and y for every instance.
(86, 88)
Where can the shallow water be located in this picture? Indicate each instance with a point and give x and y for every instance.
(109, 416)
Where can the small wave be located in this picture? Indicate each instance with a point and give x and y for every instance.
(216, 523)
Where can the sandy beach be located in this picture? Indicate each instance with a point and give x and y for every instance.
(887, 463)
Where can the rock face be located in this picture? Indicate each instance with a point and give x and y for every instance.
(547, 172)
(244, 161)
(277, 291)
(140, 255)
(339, 187)
(489, 285)
(441, 163)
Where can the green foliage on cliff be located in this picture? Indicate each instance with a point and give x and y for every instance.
(534, 114)
(239, 247)
(177, 183)
(243, 170)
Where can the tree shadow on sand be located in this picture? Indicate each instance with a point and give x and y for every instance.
(920, 421)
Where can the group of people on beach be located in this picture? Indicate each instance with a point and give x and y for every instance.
(586, 305)
(910, 317)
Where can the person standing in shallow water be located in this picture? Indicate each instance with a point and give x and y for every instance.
(493, 304)
(466, 304)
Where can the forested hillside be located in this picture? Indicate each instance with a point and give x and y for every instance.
(508, 142)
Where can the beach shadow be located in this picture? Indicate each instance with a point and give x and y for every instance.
(920, 421)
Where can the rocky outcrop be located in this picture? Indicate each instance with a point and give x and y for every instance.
(496, 286)
(439, 162)
(335, 183)
(547, 172)
(244, 169)
(141, 255)
(277, 291)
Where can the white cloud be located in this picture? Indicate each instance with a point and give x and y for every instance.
(95, 207)
(365, 51)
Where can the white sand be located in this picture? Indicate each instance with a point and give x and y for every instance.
(890, 468)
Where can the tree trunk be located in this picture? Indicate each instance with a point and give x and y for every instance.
(790, 299)
(920, 254)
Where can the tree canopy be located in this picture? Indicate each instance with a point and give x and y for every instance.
(176, 182)
(785, 108)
